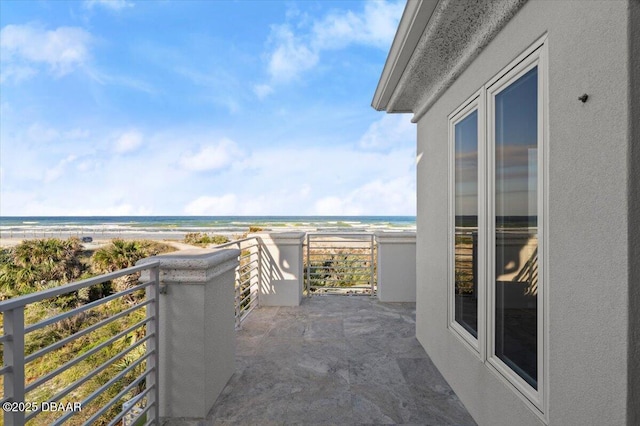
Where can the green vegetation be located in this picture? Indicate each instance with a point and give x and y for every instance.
(35, 265)
(464, 264)
(203, 240)
(339, 268)
(247, 278)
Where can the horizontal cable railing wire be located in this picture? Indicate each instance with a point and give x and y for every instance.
(121, 332)
(340, 263)
(247, 281)
(466, 246)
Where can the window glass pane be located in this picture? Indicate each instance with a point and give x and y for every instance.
(516, 220)
(466, 223)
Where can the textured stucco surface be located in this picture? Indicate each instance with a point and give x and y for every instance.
(396, 266)
(281, 268)
(589, 247)
(195, 265)
(456, 33)
(197, 351)
(634, 213)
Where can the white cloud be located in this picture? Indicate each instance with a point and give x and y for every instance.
(293, 53)
(42, 134)
(212, 156)
(58, 170)
(121, 80)
(297, 176)
(391, 130)
(128, 141)
(16, 73)
(374, 26)
(77, 134)
(394, 197)
(262, 90)
(213, 206)
(115, 5)
(24, 47)
(335, 206)
(34, 207)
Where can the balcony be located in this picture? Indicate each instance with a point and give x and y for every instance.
(287, 357)
(335, 360)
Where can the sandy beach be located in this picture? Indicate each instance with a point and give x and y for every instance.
(173, 239)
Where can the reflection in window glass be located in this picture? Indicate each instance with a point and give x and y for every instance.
(516, 221)
(466, 223)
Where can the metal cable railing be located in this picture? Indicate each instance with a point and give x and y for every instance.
(129, 377)
(247, 282)
(340, 263)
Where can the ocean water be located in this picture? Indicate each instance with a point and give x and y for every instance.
(178, 226)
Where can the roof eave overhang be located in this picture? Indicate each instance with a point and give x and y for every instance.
(414, 20)
(435, 42)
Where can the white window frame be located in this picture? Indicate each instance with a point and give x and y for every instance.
(484, 346)
(477, 345)
(532, 60)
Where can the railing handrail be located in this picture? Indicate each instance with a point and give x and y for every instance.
(341, 234)
(230, 243)
(27, 299)
(15, 329)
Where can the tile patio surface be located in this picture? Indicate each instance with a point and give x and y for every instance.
(335, 360)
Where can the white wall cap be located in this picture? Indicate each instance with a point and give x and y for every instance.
(280, 238)
(194, 266)
(395, 237)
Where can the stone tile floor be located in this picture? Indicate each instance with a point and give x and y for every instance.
(335, 360)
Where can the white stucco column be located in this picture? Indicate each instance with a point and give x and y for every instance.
(396, 266)
(281, 269)
(197, 335)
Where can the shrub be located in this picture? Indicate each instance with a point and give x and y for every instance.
(201, 239)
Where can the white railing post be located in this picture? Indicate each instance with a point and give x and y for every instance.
(396, 266)
(14, 357)
(372, 278)
(153, 344)
(282, 279)
(197, 329)
(237, 293)
(308, 281)
(259, 252)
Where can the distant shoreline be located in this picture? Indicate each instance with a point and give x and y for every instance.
(174, 228)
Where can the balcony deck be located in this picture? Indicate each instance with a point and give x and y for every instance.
(335, 360)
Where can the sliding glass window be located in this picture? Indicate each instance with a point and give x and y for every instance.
(465, 291)
(515, 292)
(497, 224)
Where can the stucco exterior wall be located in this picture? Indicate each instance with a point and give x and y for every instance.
(589, 205)
(633, 161)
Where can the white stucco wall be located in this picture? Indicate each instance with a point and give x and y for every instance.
(633, 162)
(589, 265)
(396, 266)
(197, 335)
(281, 268)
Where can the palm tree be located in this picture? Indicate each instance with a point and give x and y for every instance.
(118, 255)
(33, 264)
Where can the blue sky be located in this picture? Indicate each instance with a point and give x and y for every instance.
(200, 108)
